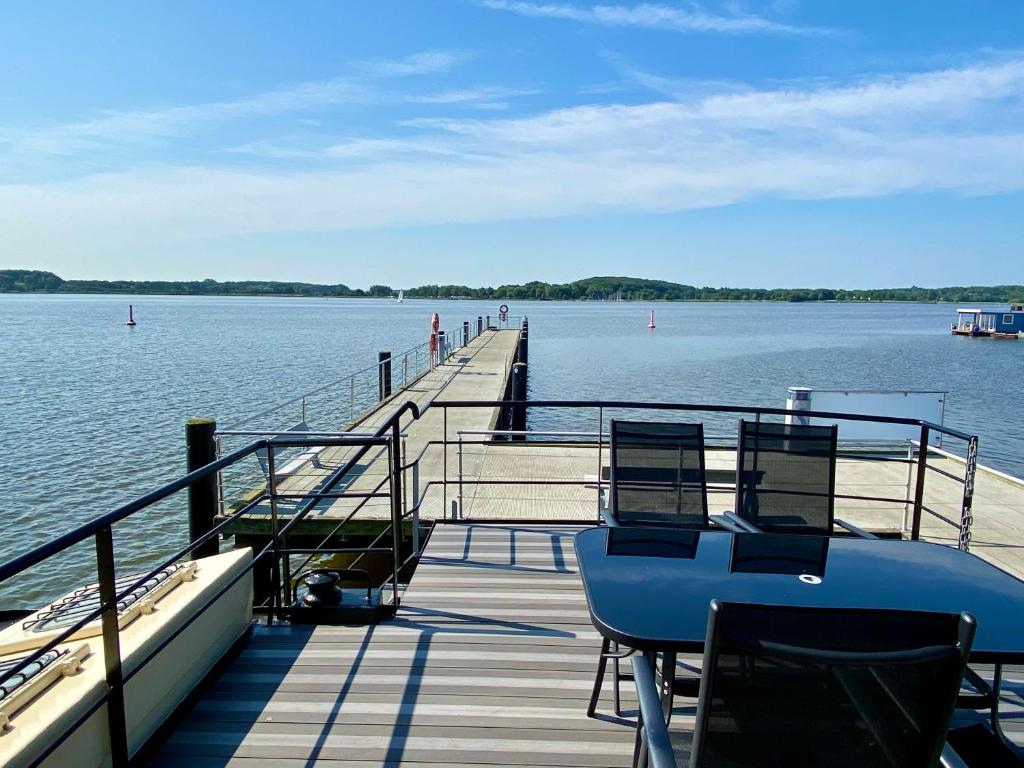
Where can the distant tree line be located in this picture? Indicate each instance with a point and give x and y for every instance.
(637, 289)
(590, 289)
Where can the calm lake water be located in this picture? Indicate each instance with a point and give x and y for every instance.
(93, 412)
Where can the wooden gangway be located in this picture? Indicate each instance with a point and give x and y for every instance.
(490, 661)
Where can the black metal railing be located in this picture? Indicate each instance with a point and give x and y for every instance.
(918, 451)
(274, 555)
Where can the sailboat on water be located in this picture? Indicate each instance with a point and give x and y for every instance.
(401, 296)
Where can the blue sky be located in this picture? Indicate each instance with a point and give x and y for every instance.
(744, 143)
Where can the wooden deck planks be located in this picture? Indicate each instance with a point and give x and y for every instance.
(489, 662)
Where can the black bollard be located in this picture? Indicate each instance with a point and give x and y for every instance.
(479, 325)
(384, 375)
(465, 332)
(201, 450)
(442, 353)
(519, 393)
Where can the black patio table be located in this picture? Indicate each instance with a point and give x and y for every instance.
(649, 588)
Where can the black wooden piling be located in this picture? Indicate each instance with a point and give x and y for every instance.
(524, 343)
(519, 393)
(200, 450)
(479, 325)
(465, 332)
(441, 354)
(384, 375)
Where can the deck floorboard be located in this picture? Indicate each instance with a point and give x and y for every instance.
(489, 662)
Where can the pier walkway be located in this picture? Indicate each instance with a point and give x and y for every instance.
(490, 661)
(478, 371)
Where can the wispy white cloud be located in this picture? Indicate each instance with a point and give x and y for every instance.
(656, 16)
(154, 125)
(422, 63)
(481, 97)
(957, 130)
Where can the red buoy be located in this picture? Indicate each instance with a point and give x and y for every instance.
(131, 320)
(651, 324)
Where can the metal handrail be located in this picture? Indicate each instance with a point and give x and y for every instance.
(706, 407)
(453, 337)
(925, 427)
(101, 529)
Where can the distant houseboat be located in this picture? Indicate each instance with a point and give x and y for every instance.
(990, 322)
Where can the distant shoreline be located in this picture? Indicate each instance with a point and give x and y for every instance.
(591, 289)
(471, 298)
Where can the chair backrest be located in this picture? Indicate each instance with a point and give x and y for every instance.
(657, 474)
(786, 477)
(827, 687)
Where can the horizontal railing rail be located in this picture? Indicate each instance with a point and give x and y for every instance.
(272, 555)
(918, 466)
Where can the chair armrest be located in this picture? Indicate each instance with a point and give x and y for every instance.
(609, 519)
(744, 526)
(854, 529)
(659, 745)
(950, 759)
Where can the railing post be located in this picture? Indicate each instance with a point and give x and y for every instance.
(444, 463)
(600, 440)
(396, 507)
(416, 506)
(384, 375)
(111, 648)
(922, 466)
(966, 513)
(352, 399)
(200, 450)
(275, 572)
(405, 370)
(462, 512)
(910, 475)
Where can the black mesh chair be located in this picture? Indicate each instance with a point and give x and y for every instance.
(825, 687)
(657, 478)
(786, 479)
(657, 475)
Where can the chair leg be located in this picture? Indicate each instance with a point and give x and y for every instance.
(599, 680)
(997, 728)
(668, 679)
(640, 744)
(616, 703)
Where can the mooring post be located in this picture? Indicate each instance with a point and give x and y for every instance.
(465, 332)
(384, 373)
(488, 322)
(201, 450)
(441, 352)
(479, 325)
(524, 343)
(519, 393)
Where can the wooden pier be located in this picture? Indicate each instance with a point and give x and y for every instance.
(490, 661)
(479, 371)
(479, 479)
